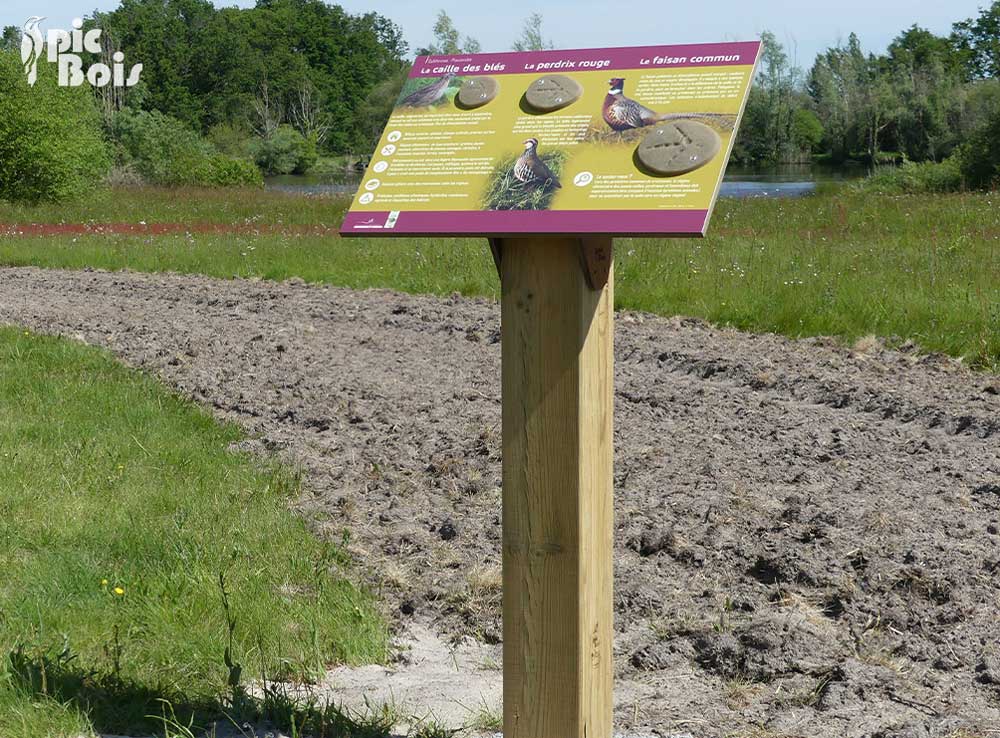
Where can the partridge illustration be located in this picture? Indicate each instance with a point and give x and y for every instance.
(623, 113)
(530, 169)
(427, 95)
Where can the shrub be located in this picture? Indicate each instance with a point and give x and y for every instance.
(980, 156)
(166, 152)
(336, 168)
(51, 146)
(232, 139)
(161, 148)
(807, 130)
(308, 156)
(123, 175)
(911, 178)
(226, 171)
(287, 151)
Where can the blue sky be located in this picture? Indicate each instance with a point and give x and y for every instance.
(806, 28)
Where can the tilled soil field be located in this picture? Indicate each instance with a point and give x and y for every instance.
(808, 537)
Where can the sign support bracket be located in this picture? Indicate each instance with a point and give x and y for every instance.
(596, 256)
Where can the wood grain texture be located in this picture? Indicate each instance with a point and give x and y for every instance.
(557, 492)
(595, 256)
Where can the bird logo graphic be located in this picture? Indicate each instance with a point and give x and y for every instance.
(31, 48)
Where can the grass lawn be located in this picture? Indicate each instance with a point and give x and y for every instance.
(844, 263)
(120, 509)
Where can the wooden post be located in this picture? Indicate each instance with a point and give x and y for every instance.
(557, 486)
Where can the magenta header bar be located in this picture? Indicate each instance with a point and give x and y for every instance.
(737, 53)
(512, 222)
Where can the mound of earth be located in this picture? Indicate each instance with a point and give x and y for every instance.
(808, 537)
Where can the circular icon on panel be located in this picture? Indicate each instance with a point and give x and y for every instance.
(583, 179)
(366, 198)
(372, 184)
(380, 166)
(388, 150)
(394, 136)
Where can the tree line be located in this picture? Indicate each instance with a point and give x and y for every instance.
(922, 100)
(285, 83)
(299, 62)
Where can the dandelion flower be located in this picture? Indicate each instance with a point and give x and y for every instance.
(118, 591)
(104, 582)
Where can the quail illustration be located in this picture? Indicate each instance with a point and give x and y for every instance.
(623, 113)
(429, 94)
(530, 169)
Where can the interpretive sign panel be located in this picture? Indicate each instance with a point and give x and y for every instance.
(630, 141)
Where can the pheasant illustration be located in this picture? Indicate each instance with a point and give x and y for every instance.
(531, 170)
(623, 113)
(31, 48)
(429, 94)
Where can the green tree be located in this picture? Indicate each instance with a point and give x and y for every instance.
(532, 38)
(777, 83)
(807, 130)
(51, 146)
(981, 157)
(828, 83)
(878, 106)
(926, 73)
(980, 105)
(977, 41)
(204, 66)
(768, 131)
(855, 99)
(980, 154)
(285, 152)
(448, 40)
(917, 47)
(10, 39)
(170, 38)
(375, 110)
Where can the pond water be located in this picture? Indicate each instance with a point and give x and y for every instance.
(793, 180)
(341, 183)
(787, 180)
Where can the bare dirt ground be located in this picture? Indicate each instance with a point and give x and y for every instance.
(808, 537)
